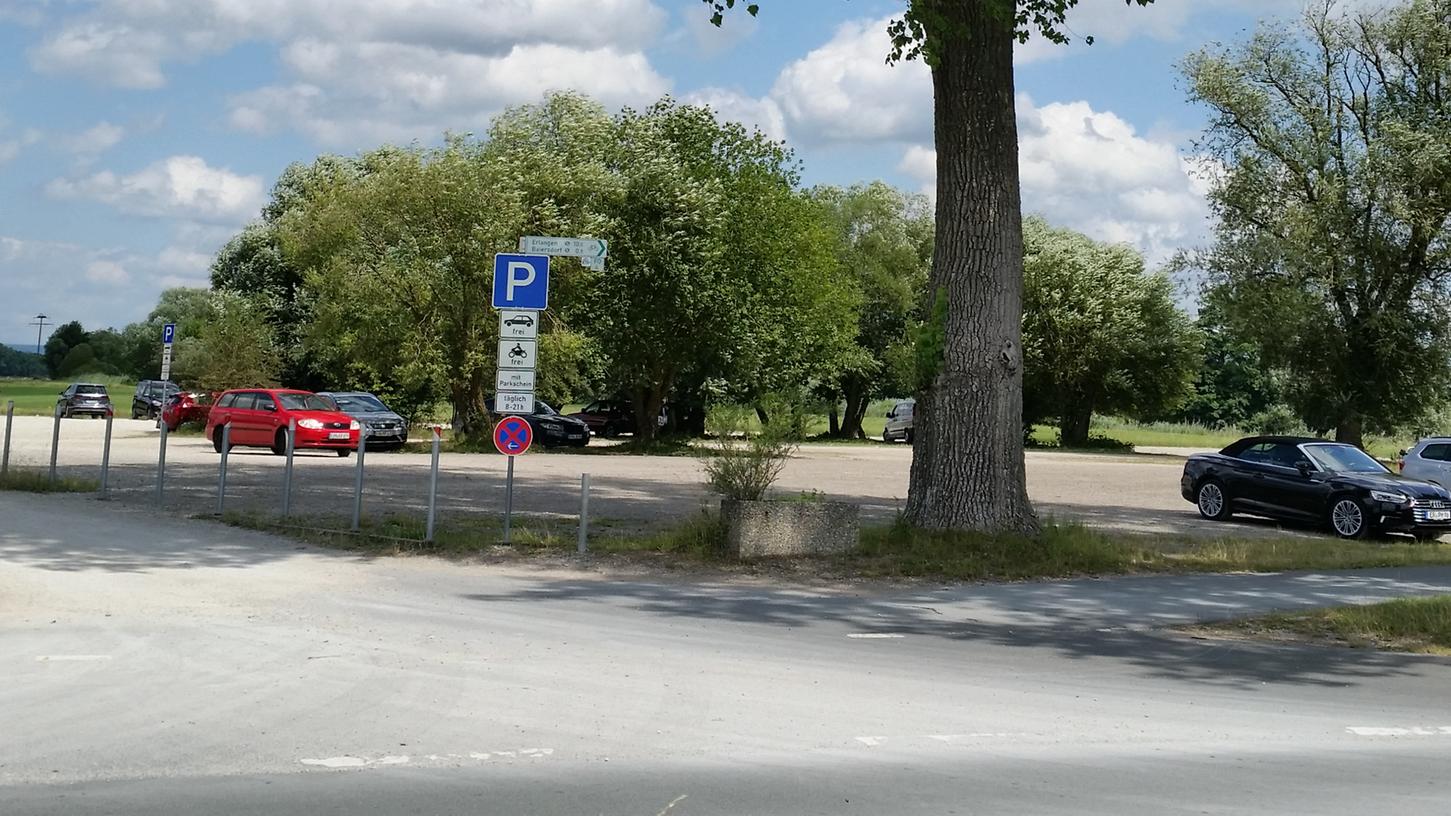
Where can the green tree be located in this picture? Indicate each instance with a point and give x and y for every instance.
(229, 350)
(60, 343)
(16, 363)
(1098, 333)
(81, 359)
(1334, 138)
(967, 468)
(1233, 384)
(883, 242)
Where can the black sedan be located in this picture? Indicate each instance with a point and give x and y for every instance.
(551, 429)
(1317, 481)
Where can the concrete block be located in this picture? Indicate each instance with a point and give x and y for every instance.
(759, 529)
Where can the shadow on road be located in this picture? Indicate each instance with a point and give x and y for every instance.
(1089, 620)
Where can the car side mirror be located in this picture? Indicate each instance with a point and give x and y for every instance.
(892, 414)
(1304, 467)
(1403, 452)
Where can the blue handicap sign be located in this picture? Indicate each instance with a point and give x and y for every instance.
(512, 436)
(521, 281)
(168, 333)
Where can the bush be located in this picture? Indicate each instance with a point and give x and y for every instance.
(742, 467)
(1276, 420)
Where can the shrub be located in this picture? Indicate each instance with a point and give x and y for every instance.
(1276, 420)
(744, 467)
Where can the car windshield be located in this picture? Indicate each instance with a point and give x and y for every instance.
(304, 402)
(541, 407)
(1343, 459)
(92, 390)
(359, 402)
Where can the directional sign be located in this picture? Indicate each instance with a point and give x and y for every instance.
(512, 436)
(574, 247)
(521, 281)
(514, 379)
(518, 324)
(517, 353)
(168, 334)
(514, 402)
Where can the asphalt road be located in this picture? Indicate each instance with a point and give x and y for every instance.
(1130, 493)
(167, 666)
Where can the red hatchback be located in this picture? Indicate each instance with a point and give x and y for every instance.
(259, 418)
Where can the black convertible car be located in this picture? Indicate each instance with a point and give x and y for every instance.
(1314, 480)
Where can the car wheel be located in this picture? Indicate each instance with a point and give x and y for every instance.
(134, 415)
(1347, 518)
(343, 453)
(279, 442)
(1212, 501)
(217, 440)
(908, 436)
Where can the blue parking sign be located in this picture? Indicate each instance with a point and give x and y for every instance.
(521, 281)
(168, 333)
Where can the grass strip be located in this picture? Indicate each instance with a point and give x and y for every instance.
(1420, 625)
(34, 481)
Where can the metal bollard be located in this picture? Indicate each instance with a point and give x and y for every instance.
(9, 420)
(433, 482)
(54, 444)
(358, 480)
(161, 469)
(106, 459)
(222, 476)
(583, 513)
(287, 471)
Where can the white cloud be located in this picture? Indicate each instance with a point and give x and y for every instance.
(108, 272)
(95, 140)
(184, 261)
(707, 40)
(760, 114)
(178, 187)
(1091, 171)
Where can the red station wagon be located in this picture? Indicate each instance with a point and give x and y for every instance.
(259, 419)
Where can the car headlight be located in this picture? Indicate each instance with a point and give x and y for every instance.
(1384, 496)
(352, 426)
(310, 424)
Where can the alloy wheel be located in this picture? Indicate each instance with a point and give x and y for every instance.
(1347, 518)
(1211, 500)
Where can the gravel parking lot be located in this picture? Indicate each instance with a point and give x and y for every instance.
(1132, 493)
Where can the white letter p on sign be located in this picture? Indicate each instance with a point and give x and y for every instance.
(519, 274)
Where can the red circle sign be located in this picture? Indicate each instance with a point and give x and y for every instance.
(513, 436)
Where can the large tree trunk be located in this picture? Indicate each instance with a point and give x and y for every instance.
(856, 409)
(1073, 426)
(647, 400)
(967, 464)
(470, 419)
(1351, 431)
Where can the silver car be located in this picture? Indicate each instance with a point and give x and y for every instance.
(385, 429)
(1429, 460)
(899, 422)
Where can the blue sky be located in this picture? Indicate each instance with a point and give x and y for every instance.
(137, 135)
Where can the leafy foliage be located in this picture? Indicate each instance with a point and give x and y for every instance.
(1334, 138)
(741, 467)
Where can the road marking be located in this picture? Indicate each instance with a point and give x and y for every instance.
(974, 735)
(874, 635)
(1398, 731)
(871, 741)
(349, 761)
(673, 802)
(69, 658)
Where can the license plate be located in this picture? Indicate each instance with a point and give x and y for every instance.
(576, 436)
(338, 435)
(1438, 515)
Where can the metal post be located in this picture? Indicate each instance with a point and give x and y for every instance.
(54, 444)
(9, 420)
(358, 479)
(161, 468)
(287, 471)
(433, 482)
(583, 513)
(222, 476)
(508, 499)
(106, 459)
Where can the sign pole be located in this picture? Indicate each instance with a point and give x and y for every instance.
(9, 420)
(106, 457)
(583, 545)
(358, 480)
(287, 470)
(508, 499)
(222, 474)
(161, 467)
(54, 443)
(433, 482)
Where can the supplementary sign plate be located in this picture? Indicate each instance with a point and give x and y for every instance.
(518, 324)
(514, 379)
(513, 436)
(576, 247)
(517, 353)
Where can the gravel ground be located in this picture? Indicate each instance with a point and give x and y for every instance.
(1137, 493)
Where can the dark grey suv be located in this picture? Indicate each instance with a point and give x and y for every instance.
(385, 429)
(150, 396)
(84, 398)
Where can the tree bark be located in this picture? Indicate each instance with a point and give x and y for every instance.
(647, 401)
(967, 464)
(1351, 431)
(856, 409)
(1073, 426)
(833, 423)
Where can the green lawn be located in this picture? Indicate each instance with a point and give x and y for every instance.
(1408, 625)
(37, 397)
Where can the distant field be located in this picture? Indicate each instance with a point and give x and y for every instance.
(37, 397)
